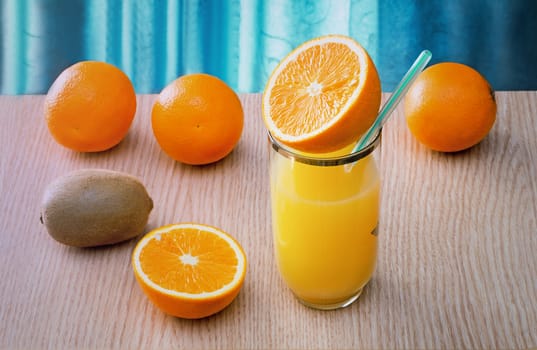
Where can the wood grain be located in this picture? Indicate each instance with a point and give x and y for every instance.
(457, 264)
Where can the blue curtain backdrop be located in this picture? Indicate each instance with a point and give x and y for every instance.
(241, 41)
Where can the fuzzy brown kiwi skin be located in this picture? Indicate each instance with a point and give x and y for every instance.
(95, 207)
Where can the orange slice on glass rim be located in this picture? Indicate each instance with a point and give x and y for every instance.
(323, 96)
(189, 270)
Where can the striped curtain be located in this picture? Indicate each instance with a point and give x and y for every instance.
(241, 41)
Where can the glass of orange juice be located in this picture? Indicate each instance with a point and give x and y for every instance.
(325, 213)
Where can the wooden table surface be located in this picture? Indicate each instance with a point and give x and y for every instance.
(457, 263)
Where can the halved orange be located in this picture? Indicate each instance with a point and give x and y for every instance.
(323, 96)
(189, 270)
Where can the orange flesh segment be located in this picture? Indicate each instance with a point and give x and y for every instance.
(189, 260)
(309, 92)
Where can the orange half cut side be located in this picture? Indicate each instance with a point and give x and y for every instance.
(323, 96)
(189, 270)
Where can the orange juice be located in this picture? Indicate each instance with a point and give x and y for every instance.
(324, 220)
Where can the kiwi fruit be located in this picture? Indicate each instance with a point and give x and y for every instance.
(95, 207)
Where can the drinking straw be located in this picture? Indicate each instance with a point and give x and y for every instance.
(400, 91)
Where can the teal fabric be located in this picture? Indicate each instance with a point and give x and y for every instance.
(241, 41)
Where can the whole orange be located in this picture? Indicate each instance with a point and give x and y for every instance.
(90, 106)
(197, 119)
(450, 107)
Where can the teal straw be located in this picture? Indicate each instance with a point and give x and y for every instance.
(400, 91)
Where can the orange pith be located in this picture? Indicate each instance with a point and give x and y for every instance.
(318, 89)
(182, 261)
(323, 96)
(189, 270)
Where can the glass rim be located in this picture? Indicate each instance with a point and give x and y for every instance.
(324, 161)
